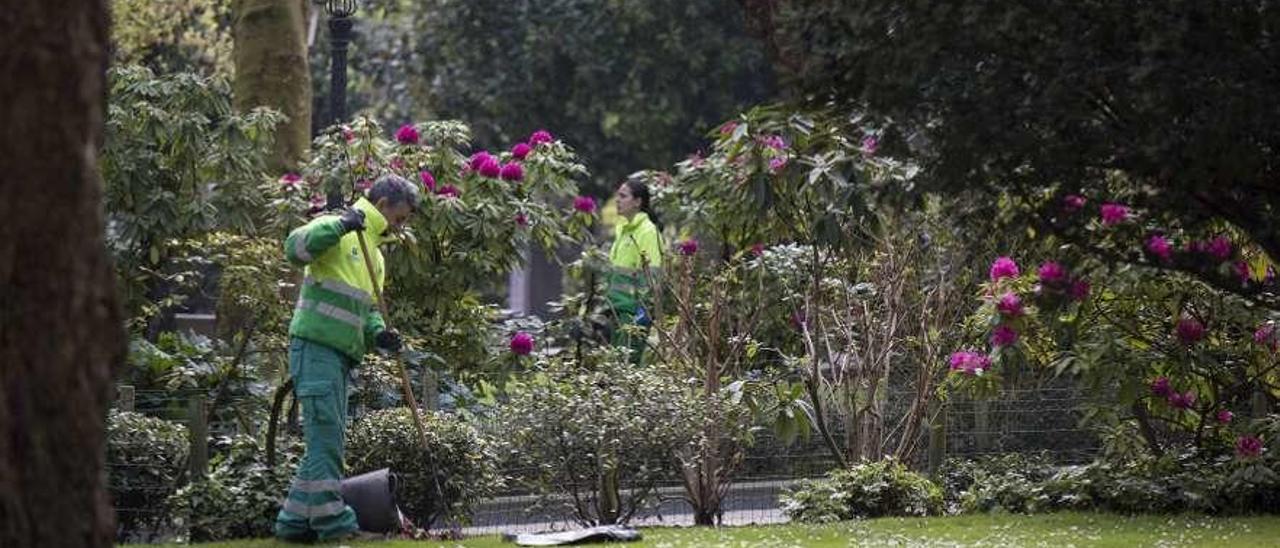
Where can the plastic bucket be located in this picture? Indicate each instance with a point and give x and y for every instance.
(372, 496)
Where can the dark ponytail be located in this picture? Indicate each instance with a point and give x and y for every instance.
(640, 190)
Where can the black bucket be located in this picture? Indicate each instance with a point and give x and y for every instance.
(372, 496)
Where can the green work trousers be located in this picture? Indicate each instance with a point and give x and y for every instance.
(314, 507)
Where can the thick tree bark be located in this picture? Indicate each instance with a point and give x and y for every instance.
(271, 71)
(61, 335)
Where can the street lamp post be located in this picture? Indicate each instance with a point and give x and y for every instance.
(339, 12)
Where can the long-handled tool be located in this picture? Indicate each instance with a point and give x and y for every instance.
(404, 375)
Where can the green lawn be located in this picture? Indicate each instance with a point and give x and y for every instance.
(1053, 530)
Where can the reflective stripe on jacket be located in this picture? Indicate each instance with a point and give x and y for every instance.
(336, 304)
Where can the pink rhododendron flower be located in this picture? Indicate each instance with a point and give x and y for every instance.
(1079, 290)
(870, 145)
(407, 135)
(1073, 203)
(1248, 447)
(522, 344)
(1010, 305)
(1224, 416)
(757, 249)
(347, 134)
(1265, 335)
(1003, 267)
(1219, 248)
(584, 204)
(490, 168)
(363, 184)
(1052, 273)
(540, 136)
(1189, 330)
(688, 247)
(522, 220)
(290, 179)
(428, 180)
(969, 363)
(728, 127)
(1159, 247)
(318, 200)
(1114, 214)
(1160, 387)
(396, 163)
(774, 142)
(512, 172)
(521, 150)
(478, 159)
(449, 191)
(1003, 335)
(777, 163)
(1184, 400)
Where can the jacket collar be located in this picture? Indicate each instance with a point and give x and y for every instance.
(374, 223)
(636, 221)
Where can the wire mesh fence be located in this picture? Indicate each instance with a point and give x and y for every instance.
(1043, 420)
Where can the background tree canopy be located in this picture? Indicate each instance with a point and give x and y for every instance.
(631, 84)
(1167, 106)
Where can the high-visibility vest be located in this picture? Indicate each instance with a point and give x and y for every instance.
(337, 306)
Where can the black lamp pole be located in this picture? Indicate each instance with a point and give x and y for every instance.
(339, 12)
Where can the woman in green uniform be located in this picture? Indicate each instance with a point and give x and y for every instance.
(636, 258)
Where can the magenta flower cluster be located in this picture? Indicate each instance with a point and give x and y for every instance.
(521, 343)
(969, 363)
(1248, 447)
(407, 135)
(687, 247)
(584, 204)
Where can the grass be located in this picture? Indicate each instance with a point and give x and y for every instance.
(1059, 530)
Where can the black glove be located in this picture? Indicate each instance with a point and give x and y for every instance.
(389, 340)
(351, 219)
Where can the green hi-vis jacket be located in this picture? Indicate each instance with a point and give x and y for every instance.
(636, 245)
(337, 306)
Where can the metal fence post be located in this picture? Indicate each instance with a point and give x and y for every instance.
(124, 397)
(430, 390)
(198, 430)
(937, 428)
(982, 424)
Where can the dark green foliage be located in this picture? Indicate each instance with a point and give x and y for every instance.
(441, 484)
(1184, 482)
(631, 84)
(146, 458)
(177, 162)
(239, 498)
(884, 488)
(1160, 105)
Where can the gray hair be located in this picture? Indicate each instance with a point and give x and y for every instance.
(395, 189)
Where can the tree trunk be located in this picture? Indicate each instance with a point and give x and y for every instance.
(272, 71)
(61, 334)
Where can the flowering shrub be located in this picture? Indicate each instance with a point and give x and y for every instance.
(1186, 371)
(479, 213)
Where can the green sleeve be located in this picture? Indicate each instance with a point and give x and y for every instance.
(373, 324)
(308, 241)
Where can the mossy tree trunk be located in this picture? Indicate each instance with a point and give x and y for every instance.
(61, 334)
(271, 70)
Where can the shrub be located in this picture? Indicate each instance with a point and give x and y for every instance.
(239, 498)
(146, 458)
(445, 481)
(603, 432)
(884, 488)
(1178, 482)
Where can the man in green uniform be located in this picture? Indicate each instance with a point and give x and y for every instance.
(335, 320)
